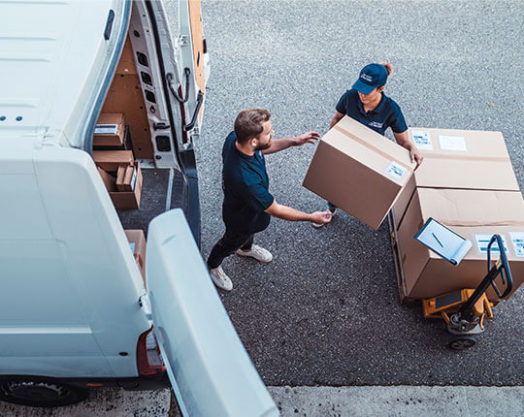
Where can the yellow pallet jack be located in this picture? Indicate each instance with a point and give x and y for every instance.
(464, 311)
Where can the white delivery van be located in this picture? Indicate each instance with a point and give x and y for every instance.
(75, 309)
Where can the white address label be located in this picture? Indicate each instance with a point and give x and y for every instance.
(483, 242)
(452, 143)
(422, 140)
(395, 171)
(517, 238)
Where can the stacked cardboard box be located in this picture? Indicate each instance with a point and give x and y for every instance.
(473, 214)
(458, 159)
(359, 170)
(109, 130)
(122, 177)
(467, 183)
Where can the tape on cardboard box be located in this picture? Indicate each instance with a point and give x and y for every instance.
(374, 148)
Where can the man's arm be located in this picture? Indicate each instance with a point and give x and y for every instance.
(281, 144)
(291, 214)
(336, 118)
(403, 140)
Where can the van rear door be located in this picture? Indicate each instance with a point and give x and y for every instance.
(210, 370)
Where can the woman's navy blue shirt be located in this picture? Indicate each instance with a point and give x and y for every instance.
(246, 189)
(386, 114)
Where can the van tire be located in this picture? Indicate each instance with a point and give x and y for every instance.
(40, 392)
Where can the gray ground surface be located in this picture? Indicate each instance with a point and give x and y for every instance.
(326, 310)
(376, 401)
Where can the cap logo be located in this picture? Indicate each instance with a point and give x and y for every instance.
(366, 77)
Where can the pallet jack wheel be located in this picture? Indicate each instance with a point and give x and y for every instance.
(461, 342)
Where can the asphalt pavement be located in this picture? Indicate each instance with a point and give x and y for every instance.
(326, 310)
(322, 322)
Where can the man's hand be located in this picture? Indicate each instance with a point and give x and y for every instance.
(416, 156)
(309, 137)
(321, 217)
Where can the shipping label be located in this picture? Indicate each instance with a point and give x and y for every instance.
(395, 171)
(453, 143)
(517, 238)
(483, 242)
(106, 129)
(422, 140)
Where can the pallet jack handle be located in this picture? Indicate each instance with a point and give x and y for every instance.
(501, 266)
(505, 272)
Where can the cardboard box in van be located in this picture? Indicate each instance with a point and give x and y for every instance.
(124, 177)
(111, 160)
(109, 130)
(137, 243)
(129, 199)
(125, 194)
(473, 214)
(461, 159)
(359, 170)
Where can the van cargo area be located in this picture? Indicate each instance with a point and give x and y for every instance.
(125, 124)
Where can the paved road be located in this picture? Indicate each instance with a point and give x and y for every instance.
(326, 311)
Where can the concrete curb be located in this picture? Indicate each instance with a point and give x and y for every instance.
(405, 401)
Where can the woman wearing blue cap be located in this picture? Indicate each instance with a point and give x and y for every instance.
(367, 103)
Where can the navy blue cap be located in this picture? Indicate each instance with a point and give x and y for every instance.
(371, 77)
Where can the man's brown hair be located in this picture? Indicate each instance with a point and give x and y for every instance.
(248, 124)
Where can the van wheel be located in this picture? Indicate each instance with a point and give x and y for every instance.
(40, 393)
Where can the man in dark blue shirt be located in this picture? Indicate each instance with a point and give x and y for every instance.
(248, 205)
(367, 104)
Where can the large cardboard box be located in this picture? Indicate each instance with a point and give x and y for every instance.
(359, 170)
(137, 243)
(460, 159)
(473, 214)
(109, 130)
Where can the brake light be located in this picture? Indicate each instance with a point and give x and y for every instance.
(149, 360)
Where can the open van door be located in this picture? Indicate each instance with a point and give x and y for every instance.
(209, 368)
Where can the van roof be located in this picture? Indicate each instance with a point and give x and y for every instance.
(50, 53)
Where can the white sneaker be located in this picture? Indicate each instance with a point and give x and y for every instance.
(318, 226)
(220, 279)
(260, 254)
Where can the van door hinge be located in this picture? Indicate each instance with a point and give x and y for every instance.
(145, 304)
(183, 40)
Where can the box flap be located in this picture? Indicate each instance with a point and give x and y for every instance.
(463, 159)
(472, 207)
